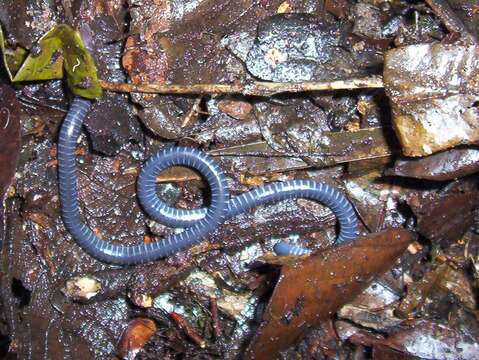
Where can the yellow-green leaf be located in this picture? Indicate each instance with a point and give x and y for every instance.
(60, 52)
(45, 62)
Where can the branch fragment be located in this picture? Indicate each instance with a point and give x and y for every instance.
(252, 89)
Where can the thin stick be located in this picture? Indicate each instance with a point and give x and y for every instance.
(184, 325)
(192, 114)
(215, 317)
(253, 89)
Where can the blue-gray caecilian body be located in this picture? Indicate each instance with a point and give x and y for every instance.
(198, 223)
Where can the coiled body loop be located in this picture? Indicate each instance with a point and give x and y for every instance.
(198, 223)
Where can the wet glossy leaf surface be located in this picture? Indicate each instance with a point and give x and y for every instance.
(427, 95)
(324, 282)
(383, 352)
(135, 336)
(341, 147)
(9, 143)
(437, 219)
(59, 303)
(447, 165)
(430, 340)
(442, 279)
(59, 49)
(291, 47)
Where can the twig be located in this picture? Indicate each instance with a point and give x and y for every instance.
(450, 19)
(215, 317)
(193, 113)
(184, 325)
(253, 89)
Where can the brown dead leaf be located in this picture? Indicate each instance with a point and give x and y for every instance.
(141, 65)
(251, 180)
(109, 201)
(457, 283)
(381, 352)
(443, 278)
(433, 92)
(10, 137)
(312, 290)
(357, 335)
(418, 292)
(344, 146)
(177, 174)
(438, 220)
(328, 342)
(338, 8)
(447, 165)
(236, 108)
(150, 18)
(429, 340)
(9, 142)
(136, 335)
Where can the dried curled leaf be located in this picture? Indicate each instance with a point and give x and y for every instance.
(136, 335)
(9, 150)
(60, 50)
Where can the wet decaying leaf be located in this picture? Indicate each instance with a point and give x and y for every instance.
(236, 108)
(383, 352)
(161, 49)
(9, 150)
(323, 283)
(338, 147)
(370, 202)
(447, 165)
(463, 9)
(433, 92)
(355, 335)
(430, 340)
(443, 278)
(111, 124)
(437, 215)
(375, 299)
(112, 283)
(459, 326)
(291, 47)
(135, 336)
(416, 338)
(21, 20)
(102, 183)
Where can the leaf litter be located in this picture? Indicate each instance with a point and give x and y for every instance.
(405, 289)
